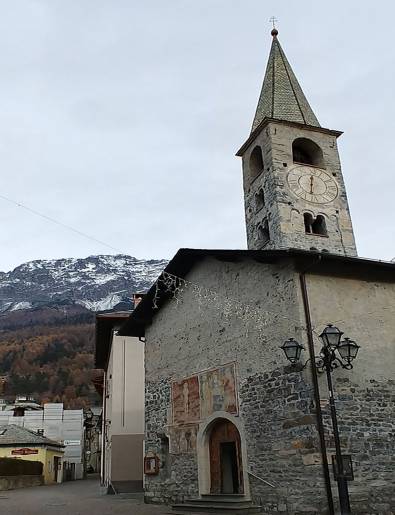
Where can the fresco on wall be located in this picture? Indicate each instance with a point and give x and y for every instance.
(186, 401)
(198, 396)
(183, 439)
(218, 391)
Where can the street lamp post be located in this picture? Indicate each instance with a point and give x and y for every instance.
(334, 353)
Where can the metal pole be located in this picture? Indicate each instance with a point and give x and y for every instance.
(320, 424)
(341, 480)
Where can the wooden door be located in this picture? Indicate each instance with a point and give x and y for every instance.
(224, 432)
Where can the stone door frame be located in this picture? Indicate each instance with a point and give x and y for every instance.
(203, 451)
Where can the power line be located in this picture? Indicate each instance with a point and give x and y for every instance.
(57, 222)
(174, 277)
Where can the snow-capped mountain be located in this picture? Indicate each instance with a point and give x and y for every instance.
(96, 282)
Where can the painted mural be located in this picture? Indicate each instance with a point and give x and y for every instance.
(198, 396)
(186, 401)
(183, 439)
(218, 391)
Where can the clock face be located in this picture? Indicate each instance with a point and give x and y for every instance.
(312, 184)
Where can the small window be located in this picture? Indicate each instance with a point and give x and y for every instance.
(315, 225)
(259, 200)
(264, 233)
(256, 162)
(307, 152)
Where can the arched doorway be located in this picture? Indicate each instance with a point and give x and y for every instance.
(226, 469)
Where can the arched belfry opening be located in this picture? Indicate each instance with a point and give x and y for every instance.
(226, 470)
(256, 162)
(305, 151)
(315, 225)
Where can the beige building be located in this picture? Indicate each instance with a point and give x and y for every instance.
(55, 423)
(18, 442)
(122, 359)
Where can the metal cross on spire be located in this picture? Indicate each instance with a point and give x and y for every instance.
(273, 20)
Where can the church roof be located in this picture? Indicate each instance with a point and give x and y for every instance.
(322, 263)
(281, 96)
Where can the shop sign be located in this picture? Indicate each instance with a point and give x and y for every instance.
(24, 452)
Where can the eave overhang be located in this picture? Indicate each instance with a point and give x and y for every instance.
(106, 323)
(311, 262)
(266, 121)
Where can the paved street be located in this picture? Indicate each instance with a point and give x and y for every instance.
(72, 498)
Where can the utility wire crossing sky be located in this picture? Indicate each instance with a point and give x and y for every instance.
(121, 119)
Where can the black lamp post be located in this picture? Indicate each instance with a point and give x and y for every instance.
(334, 353)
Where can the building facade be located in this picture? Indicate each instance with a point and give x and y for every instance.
(225, 414)
(122, 360)
(18, 442)
(52, 421)
(93, 427)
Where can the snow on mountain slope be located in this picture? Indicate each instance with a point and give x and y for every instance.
(96, 282)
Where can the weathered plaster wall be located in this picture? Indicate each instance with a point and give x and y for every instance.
(365, 311)
(276, 403)
(276, 406)
(124, 413)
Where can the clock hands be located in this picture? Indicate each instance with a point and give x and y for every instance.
(315, 186)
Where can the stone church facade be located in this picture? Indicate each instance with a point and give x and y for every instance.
(225, 415)
(207, 366)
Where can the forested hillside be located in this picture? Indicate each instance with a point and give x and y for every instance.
(48, 353)
(47, 321)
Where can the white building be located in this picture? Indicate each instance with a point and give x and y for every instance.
(122, 359)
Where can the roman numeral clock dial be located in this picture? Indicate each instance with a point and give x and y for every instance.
(312, 184)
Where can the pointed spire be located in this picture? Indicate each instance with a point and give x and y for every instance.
(281, 95)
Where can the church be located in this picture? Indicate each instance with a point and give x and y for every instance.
(231, 425)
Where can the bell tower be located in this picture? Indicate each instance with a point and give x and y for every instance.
(294, 192)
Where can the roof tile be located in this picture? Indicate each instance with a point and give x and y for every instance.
(281, 96)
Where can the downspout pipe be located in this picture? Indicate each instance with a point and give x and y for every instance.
(320, 424)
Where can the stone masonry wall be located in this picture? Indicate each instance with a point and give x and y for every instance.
(275, 405)
(283, 210)
(276, 402)
(283, 444)
(367, 429)
(13, 482)
(177, 478)
(364, 396)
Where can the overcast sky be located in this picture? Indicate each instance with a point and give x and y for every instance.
(121, 118)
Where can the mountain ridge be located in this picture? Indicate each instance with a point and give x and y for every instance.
(97, 282)
(47, 322)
